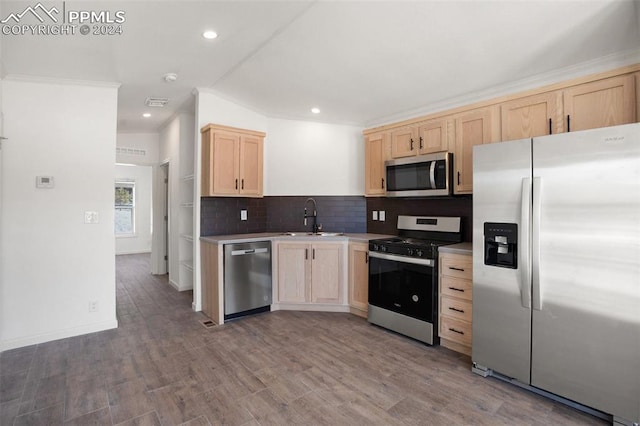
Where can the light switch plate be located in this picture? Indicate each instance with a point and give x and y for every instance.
(374, 215)
(243, 215)
(382, 216)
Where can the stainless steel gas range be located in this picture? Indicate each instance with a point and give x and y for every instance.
(403, 276)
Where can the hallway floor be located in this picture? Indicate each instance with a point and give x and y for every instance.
(162, 366)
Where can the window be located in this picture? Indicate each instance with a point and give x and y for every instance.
(125, 208)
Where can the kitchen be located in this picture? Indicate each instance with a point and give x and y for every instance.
(285, 139)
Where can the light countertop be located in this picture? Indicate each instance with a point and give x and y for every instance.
(246, 238)
(460, 248)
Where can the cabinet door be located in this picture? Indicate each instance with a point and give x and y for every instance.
(432, 136)
(326, 273)
(532, 116)
(602, 103)
(293, 272)
(472, 128)
(251, 152)
(359, 277)
(226, 151)
(403, 143)
(375, 156)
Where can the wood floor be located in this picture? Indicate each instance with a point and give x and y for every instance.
(163, 367)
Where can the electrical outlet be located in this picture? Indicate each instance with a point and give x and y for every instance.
(374, 215)
(382, 216)
(91, 217)
(93, 306)
(243, 215)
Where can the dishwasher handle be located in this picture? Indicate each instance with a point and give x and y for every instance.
(250, 251)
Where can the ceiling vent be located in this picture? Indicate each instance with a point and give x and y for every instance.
(156, 102)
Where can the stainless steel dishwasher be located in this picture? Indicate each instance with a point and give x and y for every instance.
(247, 278)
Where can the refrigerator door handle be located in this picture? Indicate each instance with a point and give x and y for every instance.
(525, 231)
(535, 244)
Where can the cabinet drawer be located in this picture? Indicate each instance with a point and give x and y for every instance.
(456, 330)
(458, 266)
(456, 287)
(456, 308)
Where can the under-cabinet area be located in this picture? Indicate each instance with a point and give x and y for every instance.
(308, 272)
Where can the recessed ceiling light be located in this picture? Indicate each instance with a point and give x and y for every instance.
(146, 115)
(209, 35)
(315, 110)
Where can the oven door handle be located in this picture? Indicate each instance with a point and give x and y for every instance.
(405, 259)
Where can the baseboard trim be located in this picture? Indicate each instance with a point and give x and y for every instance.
(177, 286)
(56, 335)
(315, 307)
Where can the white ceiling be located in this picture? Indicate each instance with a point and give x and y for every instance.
(360, 62)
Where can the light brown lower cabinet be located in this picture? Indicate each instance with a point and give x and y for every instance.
(211, 283)
(310, 273)
(455, 293)
(359, 278)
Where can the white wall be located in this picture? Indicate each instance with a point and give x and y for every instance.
(140, 242)
(149, 142)
(53, 264)
(309, 158)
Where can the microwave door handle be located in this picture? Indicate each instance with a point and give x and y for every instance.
(432, 175)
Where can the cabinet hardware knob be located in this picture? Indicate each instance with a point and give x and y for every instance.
(420, 142)
(236, 183)
(456, 331)
(306, 254)
(242, 186)
(456, 309)
(382, 186)
(550, 128)
(456, 289)
(366, 258)
(568, 123)
(411, 144)
(456, 269)
(313, 254)
(458, 178)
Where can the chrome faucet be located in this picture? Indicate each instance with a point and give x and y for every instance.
(315, 225)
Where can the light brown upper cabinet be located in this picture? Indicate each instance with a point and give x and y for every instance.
(432, 136)
(601, 103)
(403, 143)
(472, 128)
(231, 161)
(422, 138)
(375, 155)
(532, 116)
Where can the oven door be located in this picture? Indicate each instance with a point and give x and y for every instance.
(403, 285)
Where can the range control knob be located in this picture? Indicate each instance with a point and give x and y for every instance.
(383, 248)
(375, 247)
(410, 252)
(419, 253)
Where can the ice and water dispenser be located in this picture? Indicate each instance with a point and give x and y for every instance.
(501, 244)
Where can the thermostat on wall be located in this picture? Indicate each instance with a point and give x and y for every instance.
(44, 181)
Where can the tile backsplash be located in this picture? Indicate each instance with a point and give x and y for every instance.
(460, 205)
(221, 215)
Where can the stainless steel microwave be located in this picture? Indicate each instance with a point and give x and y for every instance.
(420, 176)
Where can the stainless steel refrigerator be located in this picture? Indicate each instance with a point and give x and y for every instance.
(556, 266)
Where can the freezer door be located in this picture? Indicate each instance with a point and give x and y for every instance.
(501, 295)
(586, 298)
